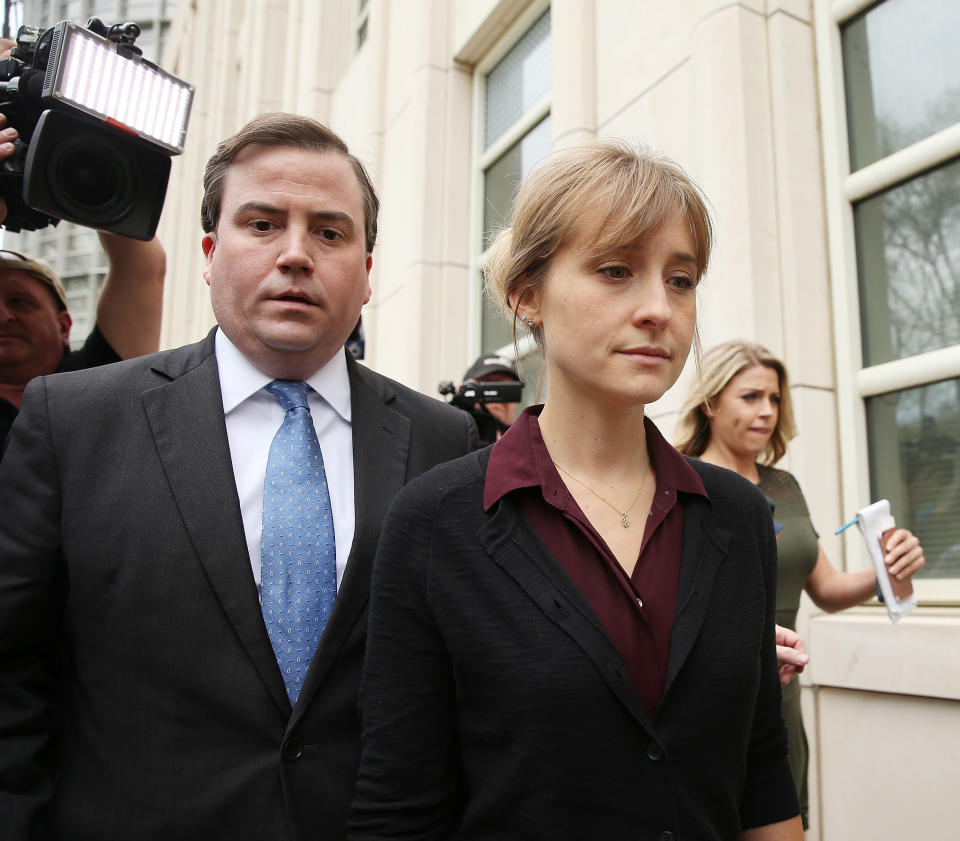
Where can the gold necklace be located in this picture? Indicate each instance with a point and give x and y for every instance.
(624, 520)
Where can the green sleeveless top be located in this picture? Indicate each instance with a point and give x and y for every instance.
(797, 541)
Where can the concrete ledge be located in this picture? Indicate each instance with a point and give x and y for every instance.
(862, 649)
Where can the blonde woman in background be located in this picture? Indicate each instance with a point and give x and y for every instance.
(572, 632)
(740, 417)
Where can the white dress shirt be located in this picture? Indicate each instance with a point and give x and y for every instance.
(253, 416)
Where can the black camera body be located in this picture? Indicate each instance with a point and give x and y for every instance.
(69, 164)
(472, 393)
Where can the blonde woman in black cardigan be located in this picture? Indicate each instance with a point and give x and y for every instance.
(572, 632)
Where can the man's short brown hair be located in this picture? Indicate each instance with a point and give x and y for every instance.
(280, 129)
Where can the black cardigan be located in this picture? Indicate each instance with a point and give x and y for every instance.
(495, 705)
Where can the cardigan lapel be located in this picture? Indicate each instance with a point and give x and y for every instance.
(381, 445)
(186, 418)
(519, 551)
(704, 550)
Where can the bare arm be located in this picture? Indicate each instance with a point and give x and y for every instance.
(131, 302)
(789, 830)
(832, 590)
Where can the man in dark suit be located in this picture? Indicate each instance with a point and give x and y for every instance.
(141, 695)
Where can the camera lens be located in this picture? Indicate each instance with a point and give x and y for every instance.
(92, 177)
(89, 178)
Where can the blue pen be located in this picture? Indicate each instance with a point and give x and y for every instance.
(845, 526)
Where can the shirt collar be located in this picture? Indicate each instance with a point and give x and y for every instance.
(240, 378)
(520, 459)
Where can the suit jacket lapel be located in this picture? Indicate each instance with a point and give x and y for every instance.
(704, 549)
(381, 446)
(522, 555)
(186, 418)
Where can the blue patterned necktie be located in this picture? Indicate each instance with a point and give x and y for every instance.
(298, 579)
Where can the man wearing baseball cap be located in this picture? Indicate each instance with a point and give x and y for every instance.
(35, 323)
(489, 368)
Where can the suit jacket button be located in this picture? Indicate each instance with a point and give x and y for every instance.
(655, 752)
(666, 835)
(292, 751)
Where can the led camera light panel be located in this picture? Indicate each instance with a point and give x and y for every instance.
(86, 72)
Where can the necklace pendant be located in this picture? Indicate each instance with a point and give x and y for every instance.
(624, 521)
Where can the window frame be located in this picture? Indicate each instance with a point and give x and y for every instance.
(361, 25)
(842, 189)
(482, 159)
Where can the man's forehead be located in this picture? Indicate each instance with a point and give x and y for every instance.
(291, 170)
(22, 283)
(21, 280)
(261, 157)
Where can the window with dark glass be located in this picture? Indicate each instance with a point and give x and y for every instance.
(902, 86)
(513, 89)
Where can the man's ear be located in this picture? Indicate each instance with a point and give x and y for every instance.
(65, 322)
(209, 245)
(369, 291)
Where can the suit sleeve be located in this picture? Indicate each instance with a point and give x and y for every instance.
(32, 589)
(408, 782)
(472, 434)
(769, 793)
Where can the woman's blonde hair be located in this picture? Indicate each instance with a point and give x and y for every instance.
(627, 192)
(720, 365)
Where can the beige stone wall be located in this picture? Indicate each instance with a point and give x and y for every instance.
(728, 89)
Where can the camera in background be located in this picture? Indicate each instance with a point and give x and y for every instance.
(491, 382)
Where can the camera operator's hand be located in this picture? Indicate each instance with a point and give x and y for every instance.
(503, 412)
(7, 136)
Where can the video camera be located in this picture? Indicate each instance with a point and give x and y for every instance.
(471, 393)
(97, 127)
